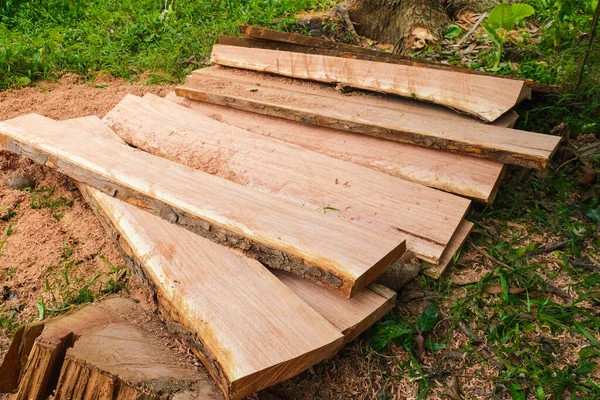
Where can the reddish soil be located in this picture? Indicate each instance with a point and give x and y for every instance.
(65, 236)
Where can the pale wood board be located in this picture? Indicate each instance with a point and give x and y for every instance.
(344, 113)
(342, 256)
(487, 97)
(425, 218)
(351, 316)
(466, 176)
(307, 44)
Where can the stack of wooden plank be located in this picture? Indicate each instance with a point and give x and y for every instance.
(239, 170)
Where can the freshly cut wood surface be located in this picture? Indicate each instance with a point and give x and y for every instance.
(110, 349)
(254, 331)
(308, 44)
(486, 97)
(473, 138)
(467, 176)
(342, 256)
(458, 240)
(351, 317)
(425, 218)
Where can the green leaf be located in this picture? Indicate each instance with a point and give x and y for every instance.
(388, 331)
(428, 318)
(521, 11)
(594, 213)
(452, 31)
(501, 16)
(24, 81)
(588, 352)
(41, 309)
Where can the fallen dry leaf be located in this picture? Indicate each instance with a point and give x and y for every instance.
(497, 289)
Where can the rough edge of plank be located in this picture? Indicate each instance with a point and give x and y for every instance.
(315, 45)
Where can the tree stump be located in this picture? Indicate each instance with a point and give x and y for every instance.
(410, 24)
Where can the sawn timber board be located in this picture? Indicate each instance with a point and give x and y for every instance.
(487, 97)
(342, 256)
(426, 218)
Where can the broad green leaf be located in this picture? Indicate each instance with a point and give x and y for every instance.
(428, 318)
(594, 213)
(452, 31)
(588, 352)
(521, 11)
(491, 32)
(501, 16)
(388, 331)
(24, 81)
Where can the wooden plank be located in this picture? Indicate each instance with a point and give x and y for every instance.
(458, 240)
(467, 176)
(486, 97)
(342, 256)
(251, 330)
(425, 218)
(308, 44)
(371, 99)
(350, 316)
(486, 141)
(110, 347)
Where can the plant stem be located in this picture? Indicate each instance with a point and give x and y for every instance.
(589, 48)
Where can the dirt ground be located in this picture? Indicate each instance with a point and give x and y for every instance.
(56, 245)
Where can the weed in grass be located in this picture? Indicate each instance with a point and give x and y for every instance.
(9, 232)
(45, 198)
(7, 321)
(65, 292)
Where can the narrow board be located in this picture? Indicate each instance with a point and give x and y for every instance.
(342, 256)
(473, 138)
(425, 218)
(486, 97)
(466, 176)
(309, 44)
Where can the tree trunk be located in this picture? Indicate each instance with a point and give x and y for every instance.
(410, 24)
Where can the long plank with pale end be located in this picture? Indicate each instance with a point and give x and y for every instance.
(425, 218)
(342, 256)
(487, 97)
(473, 138)
(309, 44)
(467, 176)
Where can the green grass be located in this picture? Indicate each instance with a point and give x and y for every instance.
(520, 321)
(164, 40)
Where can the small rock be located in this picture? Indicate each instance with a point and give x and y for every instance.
(19, 181)
(398, 275)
